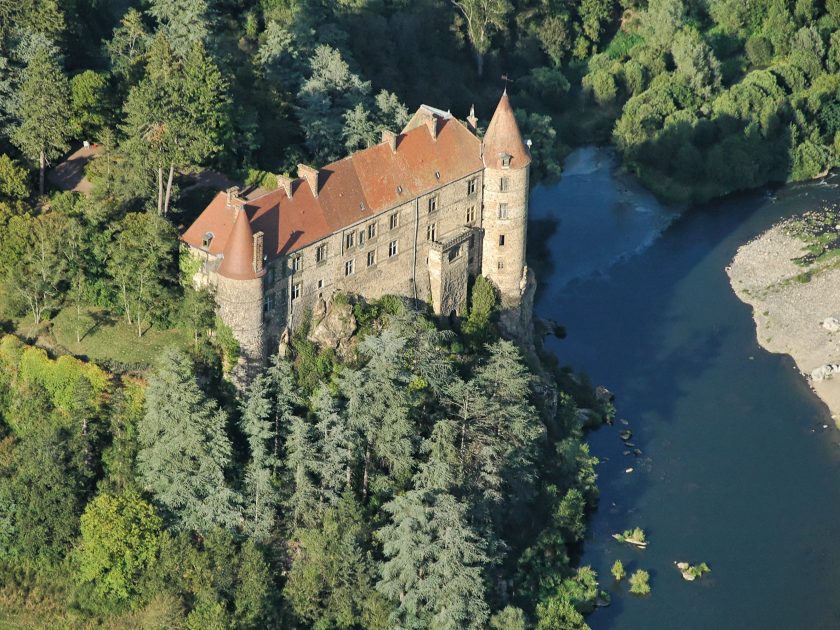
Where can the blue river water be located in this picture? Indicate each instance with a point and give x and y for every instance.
(737, 469)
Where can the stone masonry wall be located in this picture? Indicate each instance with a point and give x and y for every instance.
(503, 263)
(396, 274)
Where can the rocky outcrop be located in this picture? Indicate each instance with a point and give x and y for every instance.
(333, 326)
(517, 321)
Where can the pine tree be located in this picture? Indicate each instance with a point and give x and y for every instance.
(336, 446)
(302, 461)
(185, 450)
(379, 407)
(177, 115)
(185, 22)
(261, 495)
(43, 108)
(434, 567)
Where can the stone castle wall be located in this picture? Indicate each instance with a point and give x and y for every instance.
(431, 265)
(406, 273)
(505, 223)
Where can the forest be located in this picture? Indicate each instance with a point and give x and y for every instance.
(434, 477)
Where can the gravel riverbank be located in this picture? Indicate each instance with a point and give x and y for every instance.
(789, 309)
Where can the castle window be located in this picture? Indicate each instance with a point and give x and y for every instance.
(349, 240)
(504, 183)
(297, 262)
(393, 249)
(431, 230)
(433, 203)
(470, 214)
(454, 253)
(371, 258)
(500, 264)
(296, 289)
(361, 237)
(320, 284)
(393, 221)
(321, 253)
(348, 267)
(501, 240)
(503, 211)
(268, 304)
(371, 231)
(205, 242)
(471, 185)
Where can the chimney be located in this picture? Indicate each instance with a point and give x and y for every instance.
(431, 123)
(391, 138)
(472, 121)
(285, 182)
(258, 252)
(311, 176)
(232, 195)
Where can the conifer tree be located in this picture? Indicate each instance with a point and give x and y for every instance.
(261, 496)
(184, 449)
(336, 446)
(185, 22)
(302, 461)
(379, 408)
(433, 571)
(43, 110)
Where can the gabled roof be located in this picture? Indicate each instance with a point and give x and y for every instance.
(359, 186)
(503, 138)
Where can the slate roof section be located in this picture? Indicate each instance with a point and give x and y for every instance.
(357, 187)
(503, 137)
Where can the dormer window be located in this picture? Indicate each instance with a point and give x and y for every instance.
(505, 159)
(208, 238)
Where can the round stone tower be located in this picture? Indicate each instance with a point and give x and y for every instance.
(505, 213)
(239, 293)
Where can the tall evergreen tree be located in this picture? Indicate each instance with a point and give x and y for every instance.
(185, 450)
(185, 22)
(261, 495)
(379, 408)
(434, 567)
(336, 446)
(177, 115)
(43, 108)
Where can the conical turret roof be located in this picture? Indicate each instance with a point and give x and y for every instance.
(503, 138)
(238, 262)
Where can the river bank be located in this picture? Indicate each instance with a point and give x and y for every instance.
(795, 299)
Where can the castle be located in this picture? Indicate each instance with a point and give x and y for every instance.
(416, 215)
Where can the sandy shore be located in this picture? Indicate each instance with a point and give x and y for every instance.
(789, 313)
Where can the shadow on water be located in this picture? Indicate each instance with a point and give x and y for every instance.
(735, 468)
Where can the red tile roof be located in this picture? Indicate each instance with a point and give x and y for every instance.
(503, 137)
(238, 261)
(350, 190)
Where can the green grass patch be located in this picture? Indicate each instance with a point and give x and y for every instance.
(105, 338)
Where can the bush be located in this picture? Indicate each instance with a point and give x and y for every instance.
(640, 583)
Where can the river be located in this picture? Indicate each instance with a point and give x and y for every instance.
(736, 467)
